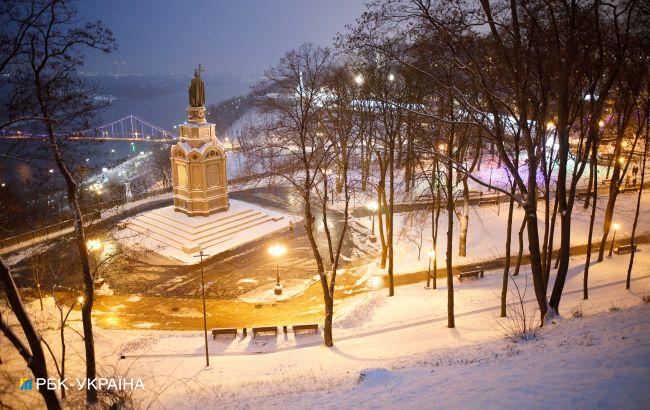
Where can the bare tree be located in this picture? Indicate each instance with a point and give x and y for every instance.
(300, 146)
(33, 355)
(46, 79)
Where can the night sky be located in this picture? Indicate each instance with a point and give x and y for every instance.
(227, 37)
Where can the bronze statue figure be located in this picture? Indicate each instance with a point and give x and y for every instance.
(197, 90)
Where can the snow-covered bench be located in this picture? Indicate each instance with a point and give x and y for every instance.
(625, 249)
(470, 274)
(267, 330)
(312, 327)
(628, 189)
(224, 331)
(488, 201)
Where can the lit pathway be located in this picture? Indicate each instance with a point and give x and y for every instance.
(318, 341)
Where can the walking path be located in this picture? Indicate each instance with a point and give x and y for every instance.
(317, 340)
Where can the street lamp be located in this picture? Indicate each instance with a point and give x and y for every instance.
(372, 206)
(391, 77)
(358, 79)
(205, 321)
(431, 254)
(616, 227)
(93, 245)
(277, 250)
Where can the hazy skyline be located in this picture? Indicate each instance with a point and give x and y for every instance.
(244, 37)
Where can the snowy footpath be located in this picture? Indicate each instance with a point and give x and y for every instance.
(398, 352)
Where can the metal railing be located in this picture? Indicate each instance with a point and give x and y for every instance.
(90, 214)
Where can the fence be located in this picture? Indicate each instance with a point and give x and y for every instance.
(90, 214)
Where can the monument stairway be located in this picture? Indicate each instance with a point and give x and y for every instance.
(191, 234)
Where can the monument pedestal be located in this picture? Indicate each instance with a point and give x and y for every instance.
(181, 236)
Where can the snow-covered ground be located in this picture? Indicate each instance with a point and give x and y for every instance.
(486, 236)
(591, 360)
(397, 351)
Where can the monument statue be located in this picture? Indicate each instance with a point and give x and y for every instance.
(197, 90)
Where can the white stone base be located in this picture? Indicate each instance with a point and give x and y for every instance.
(181, 237)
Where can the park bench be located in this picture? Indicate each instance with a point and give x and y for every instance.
(606, 181)
(625, 249)
(306, 328)
(470, 274)
(628, 189)
(265, 330)
(471, 193)
(224, 331)
(488, 201)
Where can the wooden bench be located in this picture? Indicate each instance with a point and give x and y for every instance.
(471, 193)
(606, 181)
(488, 201)
(470, 274)
(621, 250)
(306, 328)
(224, 331)
(265, 330)
(628, 189)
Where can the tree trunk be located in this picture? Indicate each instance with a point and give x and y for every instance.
(391, 207)
(611, 202)
(594, 193)
(638, 206)
(450, 235)
(549, 247)
(506, 269)
(36, 363)
(520, 252)
(464, 222)
(327, 328)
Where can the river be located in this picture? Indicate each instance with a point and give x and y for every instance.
(158, 99)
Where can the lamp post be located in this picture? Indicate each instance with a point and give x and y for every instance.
(277, 250)
(616, 227)
(93, 245)
(205, 321)
(372, 206)
(431, 254)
